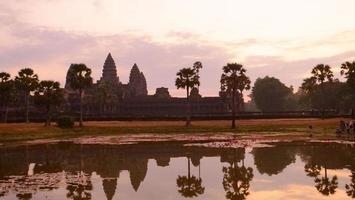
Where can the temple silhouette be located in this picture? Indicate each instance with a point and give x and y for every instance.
(110, 97)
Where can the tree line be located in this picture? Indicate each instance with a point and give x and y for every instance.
(320, 91)
(46, 95)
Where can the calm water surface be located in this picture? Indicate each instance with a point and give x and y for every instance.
(173, 171)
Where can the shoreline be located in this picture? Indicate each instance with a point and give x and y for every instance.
(119, 132)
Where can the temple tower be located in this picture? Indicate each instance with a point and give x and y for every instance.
(109, 72)
(137, 83)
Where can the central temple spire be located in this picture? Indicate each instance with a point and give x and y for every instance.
(109, 72)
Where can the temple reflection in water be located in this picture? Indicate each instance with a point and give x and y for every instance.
(73, 170)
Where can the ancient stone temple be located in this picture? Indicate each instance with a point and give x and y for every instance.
(110, 98)
(137, 85)
(109, 72)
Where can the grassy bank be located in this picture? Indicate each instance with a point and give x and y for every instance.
(33, 131)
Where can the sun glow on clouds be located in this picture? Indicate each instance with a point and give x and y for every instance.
(281, 38)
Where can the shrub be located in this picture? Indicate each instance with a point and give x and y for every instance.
(65, 122)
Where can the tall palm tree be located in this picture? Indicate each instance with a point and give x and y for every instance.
(26, 81)
(79, 77)
(234, 82)
(190, 186)
(321, 74)
(187, 78)
(49, 95)
(6, 89)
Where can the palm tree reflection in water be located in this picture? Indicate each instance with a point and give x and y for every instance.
(324, 185)
(236, 180)
(189, 186)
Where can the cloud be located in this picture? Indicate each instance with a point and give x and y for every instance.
(50, 51)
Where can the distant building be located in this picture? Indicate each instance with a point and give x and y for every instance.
(110, 97)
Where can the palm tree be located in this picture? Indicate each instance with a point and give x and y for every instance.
(188, 78)
(234, 82)
(321, 74)
(190, 186)
(79, 77)
(26, 81)
(48, 94)
(326, 186)
(6, 89)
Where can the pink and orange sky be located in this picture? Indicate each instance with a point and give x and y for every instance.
(281, 38)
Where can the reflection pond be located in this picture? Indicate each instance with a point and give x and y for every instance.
(283, 170)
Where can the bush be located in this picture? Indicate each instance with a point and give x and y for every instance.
(65, 122)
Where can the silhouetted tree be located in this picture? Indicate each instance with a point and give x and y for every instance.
(79, 77)
(270, 94)
(234, 82)
(190, 186)
(348, 71)
(321, 74)
(309, 84)
(188, 78)
(49, 95)
(307, 87)
(6, 90)
(339, 95)
(26, 81)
